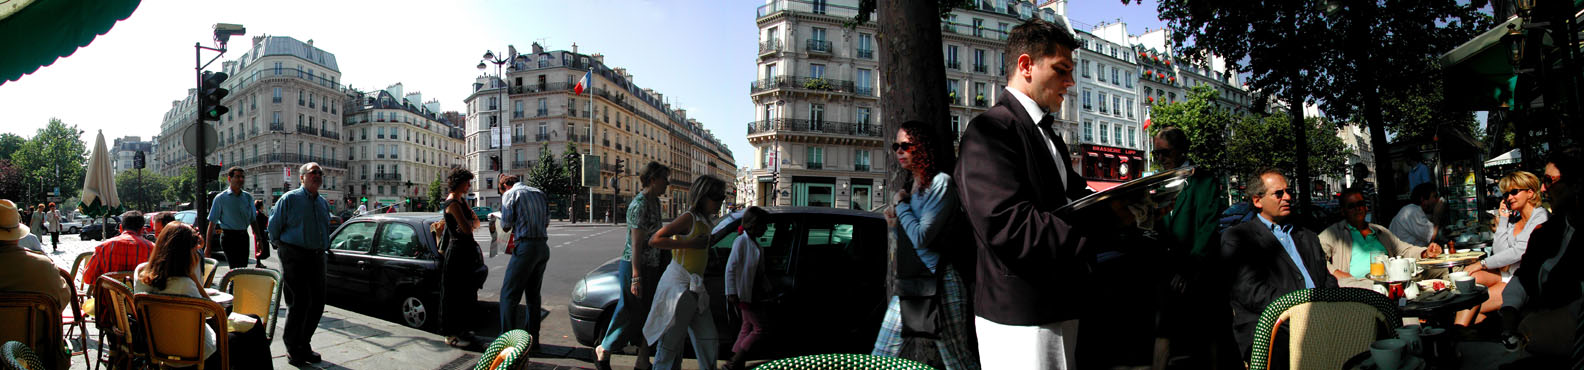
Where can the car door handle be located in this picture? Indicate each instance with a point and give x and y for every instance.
(362, 264)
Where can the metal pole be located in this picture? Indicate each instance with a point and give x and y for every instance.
(200, 161)
(590, 113)
(500, 150)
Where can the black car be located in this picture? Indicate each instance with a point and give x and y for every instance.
(96, 230)
(827, 266)
(389, 261)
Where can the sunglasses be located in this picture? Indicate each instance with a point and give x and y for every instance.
(1548, 180)
(1284, 193)
(900, 146)
(1514, 192)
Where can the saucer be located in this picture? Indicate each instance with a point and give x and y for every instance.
(1432, 331)
(1409, 362)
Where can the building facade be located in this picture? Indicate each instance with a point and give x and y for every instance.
(1109, 149)
(285, 110)
(397, 144)
(125, 149)
(817, 134)
(533, 108)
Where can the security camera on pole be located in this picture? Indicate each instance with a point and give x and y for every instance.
(202, 138)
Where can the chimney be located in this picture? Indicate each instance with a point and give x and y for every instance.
(310, 42)
(574, 48)
(599, 58)
(256, 40)
(537, 49)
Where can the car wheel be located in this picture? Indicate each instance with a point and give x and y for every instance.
(73, 230)
(415, 311)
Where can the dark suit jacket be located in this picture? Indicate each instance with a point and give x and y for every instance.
(1028, 260)
(1561, 285)
(1261, 272)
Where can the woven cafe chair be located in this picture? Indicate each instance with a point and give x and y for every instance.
(844, 361)
(1326, 326)
(119, 327)
(507, 352)
(34, 320)
(175, 329)
(72, 319)
(18, 356)
(209, 265)
(257, 291)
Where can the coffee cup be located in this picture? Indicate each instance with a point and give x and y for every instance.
(1387, 353)
(1457, 275)
(1410, 335)
(1465, 285)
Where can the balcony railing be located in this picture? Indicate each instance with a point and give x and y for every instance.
(861, 167)
(521, 164)
(331, 135)
(536, 88)
(291, 158)
(815, 165)
(310, 130)
(824, 127)
(866, 53)
(387, 177)
(818, 46)
(769, 47)
(519, 139)
(277, 126)
(541, 137)
(865, 91)
(576, 138)
(800, 82)
(980, 68)
(541, 113)
(953, 64)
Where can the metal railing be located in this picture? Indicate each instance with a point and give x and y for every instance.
(981, 68)
(823, 127)
(541, 137)
(814, 165)
(818, 46)
(866, 53)
(861, 167)
(519, 138)
(522, 164)
(277, 126)
(387, 177)
(768, 47)
(331, 135)
(953, 64)
(307, 130)
(800, 82)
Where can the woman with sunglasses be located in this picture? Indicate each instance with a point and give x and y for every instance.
(174, 268)
(681, 307)
(925, 204)
(1521, 213)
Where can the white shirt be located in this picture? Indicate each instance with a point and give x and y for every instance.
(1036, 114)
(1412, 226)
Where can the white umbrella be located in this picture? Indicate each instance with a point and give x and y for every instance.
(1506, 158)
(99, 198)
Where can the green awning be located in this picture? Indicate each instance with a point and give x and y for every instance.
(37, 32)
(1479, 73)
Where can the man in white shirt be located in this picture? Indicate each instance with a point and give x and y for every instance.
(1412, 224)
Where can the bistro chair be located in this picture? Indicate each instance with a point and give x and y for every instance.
(34, 320)
(119, 328)
(257, 292)
(844, 361)
(72, 319)
(506, 352)
(209, 265)
(175, 334)
(19, 356)
(1326, 327)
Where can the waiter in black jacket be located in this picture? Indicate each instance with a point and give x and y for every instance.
(1013, 173)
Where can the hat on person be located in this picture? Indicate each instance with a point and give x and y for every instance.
(11, 227)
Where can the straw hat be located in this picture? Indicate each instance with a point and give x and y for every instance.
(11, 227)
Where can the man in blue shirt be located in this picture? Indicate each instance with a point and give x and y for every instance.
(524, 216)
(230, 215)
(299, 226)
(1268, 257)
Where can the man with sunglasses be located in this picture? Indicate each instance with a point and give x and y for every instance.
(1349, 244)
(1412, 222)
(299, 226)
(1269, 257)
(1538, 304)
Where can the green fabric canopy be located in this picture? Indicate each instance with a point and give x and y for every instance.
(1479, 73)
(38, 32)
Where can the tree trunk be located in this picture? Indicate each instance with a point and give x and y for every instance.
(1295, 101)
(912, 76)
(1385, 185)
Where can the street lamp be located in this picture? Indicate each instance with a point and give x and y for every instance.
(490, 58)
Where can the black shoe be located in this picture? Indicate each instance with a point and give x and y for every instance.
(1511, 342)
(301, 359)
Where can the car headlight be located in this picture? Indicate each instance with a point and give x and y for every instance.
(579, 291)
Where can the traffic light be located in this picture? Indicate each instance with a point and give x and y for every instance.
(210, 95)
(211, 171)
(365, 200)
(621, 164)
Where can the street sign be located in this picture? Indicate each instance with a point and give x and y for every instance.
(138, 160)
(190, 139)
(591, 170)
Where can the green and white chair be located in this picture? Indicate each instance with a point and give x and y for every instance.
(19, 356)
(509, 351)
(1326, 327)
(844, 361)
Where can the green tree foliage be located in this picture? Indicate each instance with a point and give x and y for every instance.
(547, 175)
(1259, 142)
(437, 192)
(572, 172)
(56, 157)
(1204, 123)
(13, 185)
(179, 189)
(142, 193)
(10, 144)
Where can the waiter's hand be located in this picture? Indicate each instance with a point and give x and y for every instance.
(1432, 251)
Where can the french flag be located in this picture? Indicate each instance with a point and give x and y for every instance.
(583, 83)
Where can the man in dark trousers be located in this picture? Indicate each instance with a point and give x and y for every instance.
(1268, 256)
(230, 215)
(525, 216)
(299, 226)
(1013, 173)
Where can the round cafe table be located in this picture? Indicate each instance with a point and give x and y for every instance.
(1441, 313)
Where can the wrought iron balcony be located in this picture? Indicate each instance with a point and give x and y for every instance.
(387, 177)
(861, 167)
(818, 46)
(277, 126)
(800, 82)
(521, 164)
(953, 64)
(815, 165)
(542, 137)
(519, 138)
(332, 135)
(866, 53)
(823, 127)
(769, 47)
(310, 130)
(981, 68)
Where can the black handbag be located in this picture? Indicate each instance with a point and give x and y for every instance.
(919, 293)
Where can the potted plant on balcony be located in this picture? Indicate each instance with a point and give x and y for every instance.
(816, 84)
(953, 95)
(979, 99)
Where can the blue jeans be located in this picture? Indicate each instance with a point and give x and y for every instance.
(524, 277)
(619, 330)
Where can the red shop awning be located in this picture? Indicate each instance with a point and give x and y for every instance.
(1102, 185)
